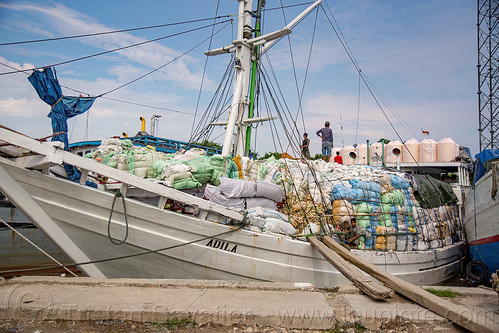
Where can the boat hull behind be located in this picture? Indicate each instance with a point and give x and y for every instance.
(184, 246)
(481, 221)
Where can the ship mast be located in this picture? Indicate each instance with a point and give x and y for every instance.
(254, 73)
(244, 46)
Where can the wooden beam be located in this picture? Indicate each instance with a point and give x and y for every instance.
(22, 200)
(83, 178)
(38, 162)
(461, 315)
(43, 148)
(361, 280)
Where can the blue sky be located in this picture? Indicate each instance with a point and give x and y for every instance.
(420, 54)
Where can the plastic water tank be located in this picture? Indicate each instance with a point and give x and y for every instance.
(447, 150)
(428, 151)
(390, 157)
(345, 153)
(361, 151)
(411, 147)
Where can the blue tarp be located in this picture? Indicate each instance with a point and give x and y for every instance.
(62, 107)
(481, 165)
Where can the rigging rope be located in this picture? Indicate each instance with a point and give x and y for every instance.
(300, 107)
(218, 105)
(375, 94)
(113, 50)
(358, 110)
(307, 69)
(39, 249)
(204, 70)
(113, 31)
(164, 65)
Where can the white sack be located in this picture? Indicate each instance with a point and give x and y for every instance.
(278, 226)
(213, 194)
(269, 190)
(264, 212)
(175, 169)
(237, 188)
(260, 202)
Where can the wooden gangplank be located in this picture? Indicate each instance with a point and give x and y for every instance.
(362, 281)
(459, 314)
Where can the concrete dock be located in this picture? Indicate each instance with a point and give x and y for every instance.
(286, 305)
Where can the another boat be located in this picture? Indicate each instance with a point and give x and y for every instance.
(110, 236)
(481, 218)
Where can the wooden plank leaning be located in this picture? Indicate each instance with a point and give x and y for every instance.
(362, 281)
(461, 315)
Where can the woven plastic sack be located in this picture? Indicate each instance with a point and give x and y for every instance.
(278, 226)
(213, 194)
(270, 191)
(237, 188)
(260, 202)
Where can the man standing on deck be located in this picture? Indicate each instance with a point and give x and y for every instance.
(326, 134)
(305, 151)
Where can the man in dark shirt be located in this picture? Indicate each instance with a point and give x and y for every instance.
(326, 134)
(305, 146)
(354, 232)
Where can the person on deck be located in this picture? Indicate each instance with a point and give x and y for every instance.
(354, 232)
(305, 146)
(326, 134)
(338, 159)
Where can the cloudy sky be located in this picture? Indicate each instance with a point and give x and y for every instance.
(421, 56)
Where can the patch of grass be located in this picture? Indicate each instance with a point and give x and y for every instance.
(174, 323)
(339, 328)
(442, 293)
(359, 327)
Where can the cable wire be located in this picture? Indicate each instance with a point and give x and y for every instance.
(113, 50)
(125, 256)
(162, 66)
(113, 31)
(39, 249)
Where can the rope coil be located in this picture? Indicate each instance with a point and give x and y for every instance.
(117, 195)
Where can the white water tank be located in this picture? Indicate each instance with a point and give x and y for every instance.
(447, 150)
(347, 157)
(361, 151)
(428, 151)
(390, 157)
(410, 151)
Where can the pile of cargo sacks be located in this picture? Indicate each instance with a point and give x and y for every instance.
(318, 197)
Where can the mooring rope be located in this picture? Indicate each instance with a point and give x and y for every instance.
(123, 257)
(39, 249)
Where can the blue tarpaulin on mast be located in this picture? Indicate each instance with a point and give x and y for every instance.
(62, 107)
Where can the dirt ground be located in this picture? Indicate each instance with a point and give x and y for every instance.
(54, 326)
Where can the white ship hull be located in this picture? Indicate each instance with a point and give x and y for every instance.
(82, 213)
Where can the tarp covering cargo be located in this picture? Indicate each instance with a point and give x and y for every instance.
(432, 193)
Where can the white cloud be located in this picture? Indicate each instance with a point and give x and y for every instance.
(66, 21)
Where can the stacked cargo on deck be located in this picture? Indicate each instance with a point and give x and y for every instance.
(316, 195)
